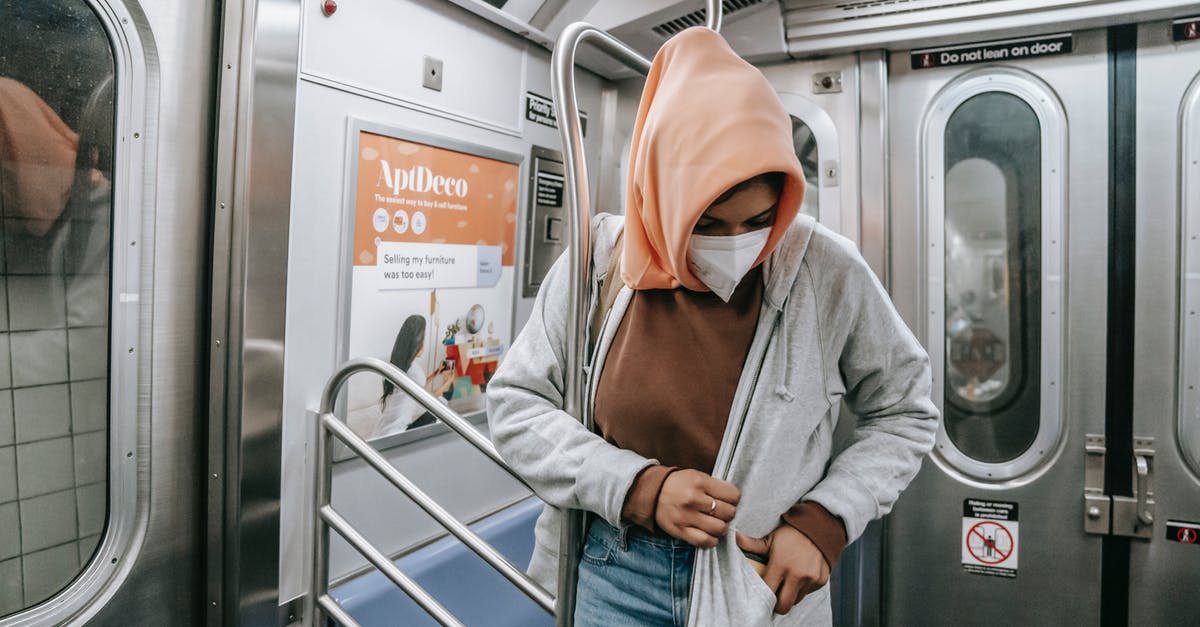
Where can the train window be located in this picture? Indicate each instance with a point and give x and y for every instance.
(992, 260)
(56, 167)
(805, 144)
(1189, 372)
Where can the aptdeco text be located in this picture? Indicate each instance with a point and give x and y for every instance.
(420, 179)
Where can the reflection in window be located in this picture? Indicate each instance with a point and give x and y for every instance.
(56, 169)
(805, 144)
(992, 266)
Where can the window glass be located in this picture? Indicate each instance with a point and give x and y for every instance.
(805, 144)
(992, 270)
(1189, 406)
(56, 172)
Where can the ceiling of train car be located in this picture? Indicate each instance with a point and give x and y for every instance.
(773, 30)
(753, 27)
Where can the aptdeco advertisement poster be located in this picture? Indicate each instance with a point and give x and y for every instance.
(433, 277)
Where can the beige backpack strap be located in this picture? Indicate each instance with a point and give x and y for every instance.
(609, 288)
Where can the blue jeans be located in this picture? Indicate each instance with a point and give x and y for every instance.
(632, 578)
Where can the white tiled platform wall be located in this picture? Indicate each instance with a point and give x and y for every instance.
(53, 415)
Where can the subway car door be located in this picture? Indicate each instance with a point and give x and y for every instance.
(1164, 555)
(999, 234)
(821, 96)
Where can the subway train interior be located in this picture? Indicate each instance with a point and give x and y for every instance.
(202, 420)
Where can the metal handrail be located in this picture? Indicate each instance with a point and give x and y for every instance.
(327, 518)
(714, 13)
(579, 213)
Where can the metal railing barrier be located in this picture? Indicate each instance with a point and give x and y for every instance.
(579, 212)
(327, 518)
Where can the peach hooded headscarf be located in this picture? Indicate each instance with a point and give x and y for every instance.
(37, 158)
(708, 120)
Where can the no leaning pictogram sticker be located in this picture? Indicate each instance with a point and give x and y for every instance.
(990, 538)
(1183, 531)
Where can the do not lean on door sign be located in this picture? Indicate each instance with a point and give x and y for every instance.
(989, 538)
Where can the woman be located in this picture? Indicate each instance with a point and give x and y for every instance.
(718, 370)
(399, 411)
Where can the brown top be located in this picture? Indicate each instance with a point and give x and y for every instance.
(667, 388)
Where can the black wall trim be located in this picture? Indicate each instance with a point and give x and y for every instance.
(1122, 225)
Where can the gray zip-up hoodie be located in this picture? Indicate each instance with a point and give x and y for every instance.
(827, 332)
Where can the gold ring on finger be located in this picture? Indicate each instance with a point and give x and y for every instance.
(713, 508)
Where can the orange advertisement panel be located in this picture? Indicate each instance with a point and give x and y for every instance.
(408, 192)
(432, 276)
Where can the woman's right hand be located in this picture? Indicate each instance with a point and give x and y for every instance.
(696, 507)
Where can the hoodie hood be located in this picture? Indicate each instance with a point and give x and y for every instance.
(37, 158)
(707, 121)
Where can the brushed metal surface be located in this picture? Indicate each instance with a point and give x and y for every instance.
(1162, 574)
(824, 27)
(578, 208)
(1059, 563)
(833, 119)
(147, 567)
(249, 265)
(873, 206)
(313, 327)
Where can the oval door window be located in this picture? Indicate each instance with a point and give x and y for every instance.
(992, 269)
(805, 144)
(57, 68)
(1189, 372)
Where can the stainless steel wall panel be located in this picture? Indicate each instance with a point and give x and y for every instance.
(312, 340)
(1168, 120)
(1059, 564)
(822, 28)
(834, 114)
(148, 566)
(390, 38)
(258, 85)
(323, 105)
(873, 157)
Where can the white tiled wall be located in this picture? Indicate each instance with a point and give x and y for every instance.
(8, 435)
(44, 467)
(38, 357)
(49, 571)
(10, 531)
(8, 478)
(53, 418)
(42, 412)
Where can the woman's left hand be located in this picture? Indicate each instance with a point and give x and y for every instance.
(794, 565)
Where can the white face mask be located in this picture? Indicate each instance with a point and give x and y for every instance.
(722, 261)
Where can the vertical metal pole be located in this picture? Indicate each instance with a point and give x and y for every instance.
(562, 86)
(323, 460)
(579, 213)
(714, 14)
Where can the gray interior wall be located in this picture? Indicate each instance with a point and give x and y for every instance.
(365, 62)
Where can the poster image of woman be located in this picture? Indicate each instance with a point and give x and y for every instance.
(398, 411)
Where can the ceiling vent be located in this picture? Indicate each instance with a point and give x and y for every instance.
(822, 27)
(670, 28)
(810, 13)
(878, 8)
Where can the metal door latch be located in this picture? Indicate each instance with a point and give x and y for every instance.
(1134, 515)
(1131, 516)
(1097, 507)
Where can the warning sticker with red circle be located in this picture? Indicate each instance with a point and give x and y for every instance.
(989, 538)
(1183, 531)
